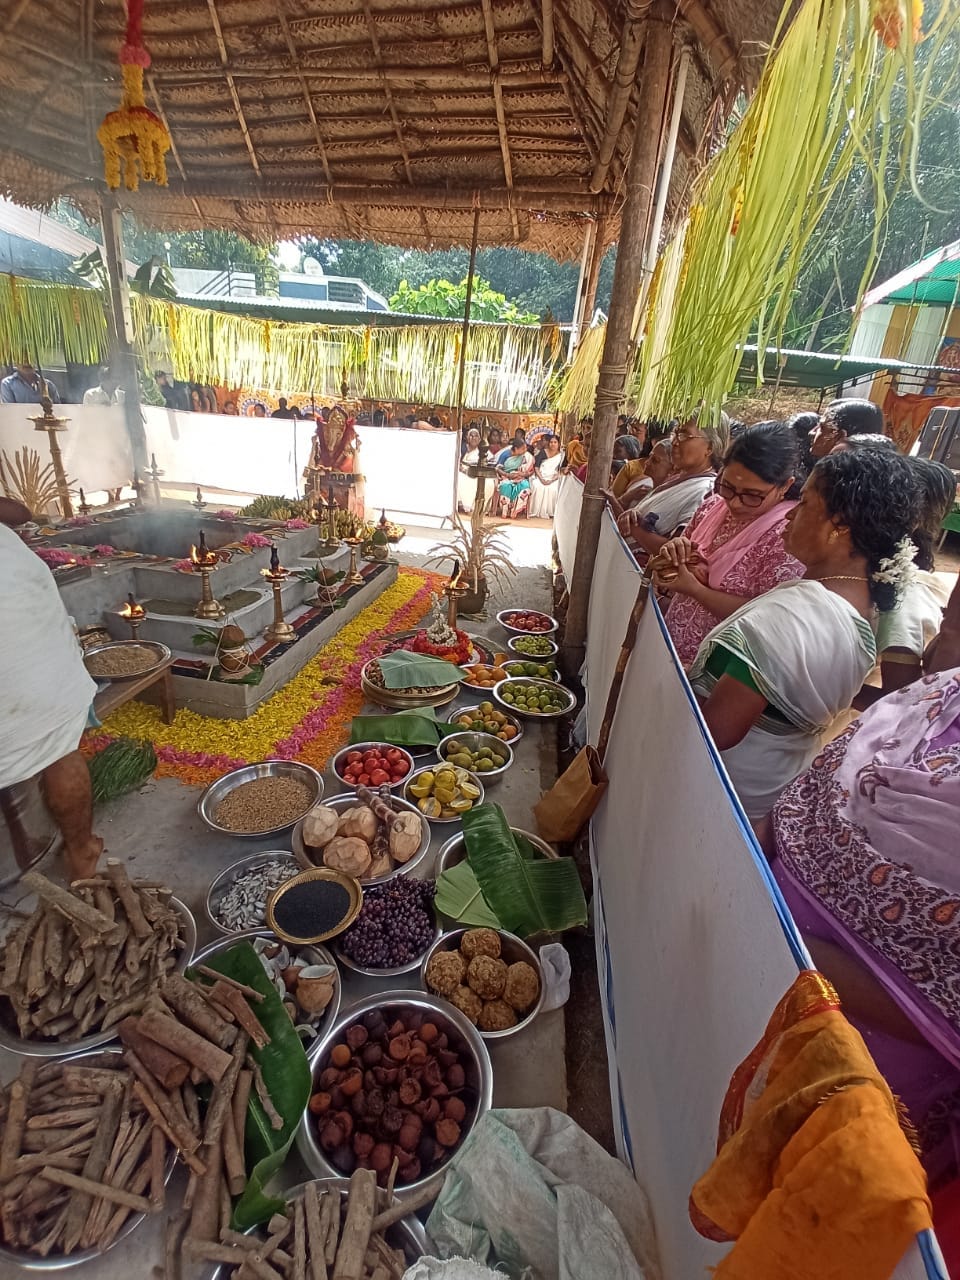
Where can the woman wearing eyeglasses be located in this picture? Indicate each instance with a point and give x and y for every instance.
(732, 550)
(696, 453)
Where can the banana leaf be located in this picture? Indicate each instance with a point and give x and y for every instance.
(459, 898)
(528, 896)
(287, 1077)
(402, 729)
(404, 670)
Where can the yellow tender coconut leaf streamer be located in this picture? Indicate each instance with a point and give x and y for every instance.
(823, 103)
(580, 383)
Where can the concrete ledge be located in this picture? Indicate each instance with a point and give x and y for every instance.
(224, 701)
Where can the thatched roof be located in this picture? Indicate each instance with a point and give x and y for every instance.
(384, 119)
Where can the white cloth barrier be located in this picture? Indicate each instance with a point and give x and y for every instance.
(405, 471)
(694, 943)
(566, 520)
(95, 445)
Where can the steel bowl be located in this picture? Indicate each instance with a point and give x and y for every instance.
(473, 742)
(23, 1261)
(395, 971)
(549, 685)
(529, 657)
(518, 631)
(96, 1040)
(475, 707)
(313, 954)
(408, 1235)
(454, 850)
(346, 801)
(441, 822)
(477, 1064)
(339, 760)
(232, 873)
(207, 804)
(512, 949)
(401, 700)
(555, 677)
(160, 651)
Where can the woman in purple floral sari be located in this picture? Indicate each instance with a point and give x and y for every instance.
(868, 857)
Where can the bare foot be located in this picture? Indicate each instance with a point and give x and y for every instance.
(83, 863)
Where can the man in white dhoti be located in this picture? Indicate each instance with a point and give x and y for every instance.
(45, 693)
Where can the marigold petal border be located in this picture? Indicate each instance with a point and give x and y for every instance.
(307, 719)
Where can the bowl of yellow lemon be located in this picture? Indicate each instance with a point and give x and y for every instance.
(445, 792)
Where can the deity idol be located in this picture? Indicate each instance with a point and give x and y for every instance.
(334, 464)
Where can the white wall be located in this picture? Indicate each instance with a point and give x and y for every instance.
(95, 445)
(694, 943)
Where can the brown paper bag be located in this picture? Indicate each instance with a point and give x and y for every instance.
(563, 810)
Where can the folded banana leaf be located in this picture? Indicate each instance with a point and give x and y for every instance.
(404, 670)
(528, 896)
(404, 729)
(287, 1077)
(459, 898)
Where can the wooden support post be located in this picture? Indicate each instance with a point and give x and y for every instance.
(640, 180)
(123, 358)
(576, 326)
(465, 332)
(593, 273)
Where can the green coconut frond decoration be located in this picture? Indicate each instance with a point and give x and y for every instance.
(37, 319)
(825, 105)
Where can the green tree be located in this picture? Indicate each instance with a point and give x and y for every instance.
(441, 298)
(917, 221)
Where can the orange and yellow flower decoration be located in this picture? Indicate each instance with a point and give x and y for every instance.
(135, 142)
(308, 719)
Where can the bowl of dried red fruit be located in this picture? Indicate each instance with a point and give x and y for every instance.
(400, 1076)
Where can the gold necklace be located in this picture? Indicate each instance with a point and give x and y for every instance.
(841, 577)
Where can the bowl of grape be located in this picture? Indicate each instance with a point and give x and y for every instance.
(534, 699)
(394, 930)
(533, 646)
(480, 753)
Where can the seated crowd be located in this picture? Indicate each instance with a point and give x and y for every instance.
(794, 565)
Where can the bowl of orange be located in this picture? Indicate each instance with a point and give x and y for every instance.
(484, 675)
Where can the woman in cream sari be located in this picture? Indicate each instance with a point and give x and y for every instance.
(697, 453)
(774, 676)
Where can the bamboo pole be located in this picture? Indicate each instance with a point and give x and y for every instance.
(555, 197)
(580, 295)
(465, 331)
(640, 179)
(593, 274)
(663, 187)
(546, 10)
(624, 80)
(121, 328)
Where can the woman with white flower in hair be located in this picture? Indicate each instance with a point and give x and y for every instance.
(904, 633)
(774, 676)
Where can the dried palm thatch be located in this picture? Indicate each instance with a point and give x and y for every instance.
(388, 121)
(24, 478)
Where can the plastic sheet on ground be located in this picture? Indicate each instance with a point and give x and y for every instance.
(532, 1195)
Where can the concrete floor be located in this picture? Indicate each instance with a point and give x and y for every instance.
(159, 835)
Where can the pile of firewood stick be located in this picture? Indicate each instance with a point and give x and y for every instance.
(78, 1155)
(322, 1235)
(72, 1130)
(89, 955)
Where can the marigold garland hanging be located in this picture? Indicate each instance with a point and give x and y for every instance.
(135, 141)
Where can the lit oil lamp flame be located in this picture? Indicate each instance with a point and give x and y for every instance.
(202, 556)
(131, 609)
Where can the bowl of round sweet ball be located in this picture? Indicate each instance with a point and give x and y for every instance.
(395, 927)
(402, 1075)
(492, 977)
